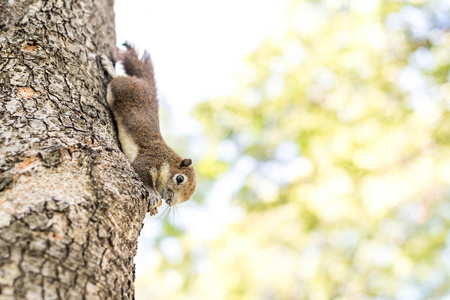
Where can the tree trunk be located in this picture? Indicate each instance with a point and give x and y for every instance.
(71, 206)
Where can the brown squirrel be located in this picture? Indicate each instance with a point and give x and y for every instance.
(133, 101)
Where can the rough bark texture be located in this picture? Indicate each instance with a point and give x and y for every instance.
(71, 207)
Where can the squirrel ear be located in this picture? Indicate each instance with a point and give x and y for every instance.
(186, 162)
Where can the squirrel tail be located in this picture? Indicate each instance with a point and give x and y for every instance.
(133, 66)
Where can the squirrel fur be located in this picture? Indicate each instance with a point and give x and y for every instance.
(133, 101)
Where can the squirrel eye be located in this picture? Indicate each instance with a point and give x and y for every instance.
(179, 179)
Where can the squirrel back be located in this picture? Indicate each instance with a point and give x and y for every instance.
(133, 100)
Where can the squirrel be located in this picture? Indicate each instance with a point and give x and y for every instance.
(134, 104)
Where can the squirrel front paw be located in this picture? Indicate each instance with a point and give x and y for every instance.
(155, 202)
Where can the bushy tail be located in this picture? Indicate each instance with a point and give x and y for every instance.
(133, 66)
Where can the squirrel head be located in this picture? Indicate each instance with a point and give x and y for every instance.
(176, 182)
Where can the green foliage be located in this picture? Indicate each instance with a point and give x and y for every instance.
(346, 119)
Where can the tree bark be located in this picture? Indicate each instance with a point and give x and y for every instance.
(71, 206)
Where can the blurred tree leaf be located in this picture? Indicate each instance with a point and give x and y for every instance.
(345, 117)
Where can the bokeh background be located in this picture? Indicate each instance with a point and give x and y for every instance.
(320, 133)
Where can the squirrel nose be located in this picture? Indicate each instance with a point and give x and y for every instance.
(168, 197)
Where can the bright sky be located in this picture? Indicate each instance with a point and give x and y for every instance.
(197, 47)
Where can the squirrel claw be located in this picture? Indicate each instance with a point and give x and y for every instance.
(153, 211)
